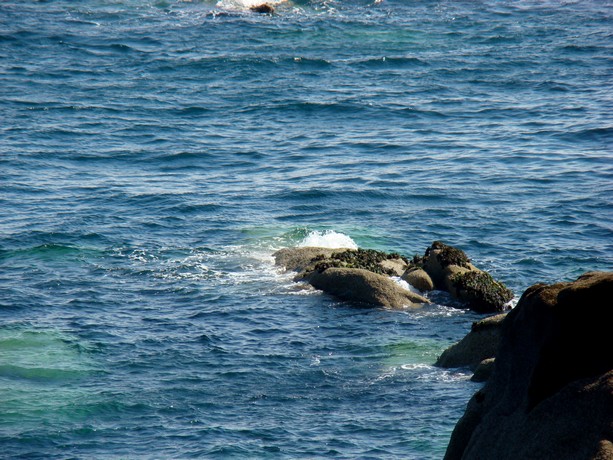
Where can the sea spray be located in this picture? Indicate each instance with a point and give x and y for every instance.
(328, 239)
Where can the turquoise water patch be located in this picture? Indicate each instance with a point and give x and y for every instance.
(43, 376)
(413, 352)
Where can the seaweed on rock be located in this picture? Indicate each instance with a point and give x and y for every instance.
(449, 255)
(367, 259)
(483, 291)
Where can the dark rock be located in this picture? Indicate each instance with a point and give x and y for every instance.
(451, 271)
(365, 287)
(480, 290)
(366, 259)
(551, 392)
(264, 8)
(484, 370)
(480, 343)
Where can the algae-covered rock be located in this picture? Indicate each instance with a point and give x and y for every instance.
(481, 291)
(367, 259)
(451, 270)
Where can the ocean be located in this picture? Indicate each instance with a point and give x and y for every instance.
(155, 153)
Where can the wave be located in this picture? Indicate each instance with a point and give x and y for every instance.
(328, 239)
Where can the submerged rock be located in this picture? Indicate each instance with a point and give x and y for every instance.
(551, 392)
(451, 271)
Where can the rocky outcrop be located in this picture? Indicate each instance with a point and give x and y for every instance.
(479, 344)
(450, 270)
(551, 392)
(484, 370)
(442, 267)
(365, 287)
(361, 276)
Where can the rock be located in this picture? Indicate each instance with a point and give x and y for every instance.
(551, 392)
(484, 370)
(365, 287)
(301, 259)
(264, 8)
(394, 267)
(367, 259)
(438, 257)
(451, 271)
(418, 278)
(480, 343)
(360, 275)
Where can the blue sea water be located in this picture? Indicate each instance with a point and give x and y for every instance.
(154, 154)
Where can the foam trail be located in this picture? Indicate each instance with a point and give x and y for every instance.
(328, 239)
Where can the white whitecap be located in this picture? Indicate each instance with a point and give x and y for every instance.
(328, 239)
(245, 4)
(402, 283)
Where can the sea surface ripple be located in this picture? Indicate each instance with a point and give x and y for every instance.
(155, 153)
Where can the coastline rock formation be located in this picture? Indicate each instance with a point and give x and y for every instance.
(477, 350)
(450, 270)
(360, 275)
(442, 267)
(551, 392)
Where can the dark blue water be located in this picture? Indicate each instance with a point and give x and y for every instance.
(153, 155)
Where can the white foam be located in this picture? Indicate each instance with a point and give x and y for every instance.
(402, 283)
(244, 4)
(328, 239)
